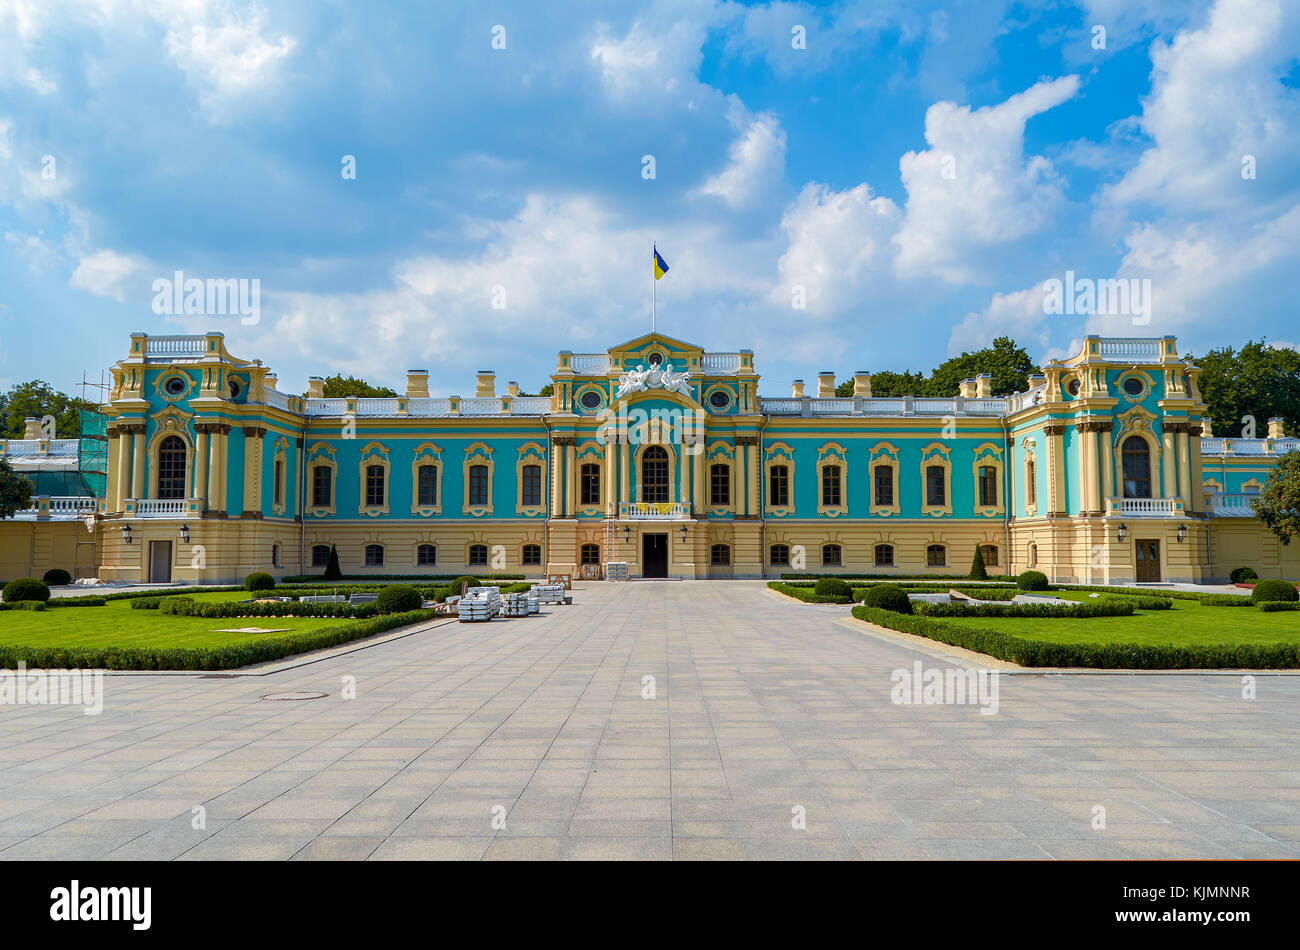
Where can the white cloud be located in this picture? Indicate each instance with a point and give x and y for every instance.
(104, 274)
(40, 256)
(658, 55)
(1018, 314)
(974, 188)
(756, 161)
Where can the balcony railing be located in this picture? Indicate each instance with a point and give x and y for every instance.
(590, 364)
(59, 508)
(654, 511)
(720, 362)
(1144, 507)
(188, 345)
(1232, 504)
(161, 507)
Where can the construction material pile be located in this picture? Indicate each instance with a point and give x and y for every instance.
(479, 603)
(549, 593)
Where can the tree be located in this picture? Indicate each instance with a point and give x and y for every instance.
(332, 570)
(1278, 504)
(1260, 380)
(1010, 365)
(978, 572)
(38, 399)
(907, 383)
(15, 490)
(341, 387)
(547, 390)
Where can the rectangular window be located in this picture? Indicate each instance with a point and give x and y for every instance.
(884, 478)
(428, 486)
(322, 486)
(935, 489)
(532, 487)
(1031, 484)
(719, 485)
(779, 486)
(478, 485)
(590, 482)
(279, 482)
(374, 486)
(884, 555)
(988, 486)
(830, 486)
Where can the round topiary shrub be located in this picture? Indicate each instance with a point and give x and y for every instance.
(1241, 575)
(832, 587)
(398, 599)
(888, 597)
(259, 580)
(469, 579)
(26, 588)
(1264, 591)
(57, 577)
(1032, 580)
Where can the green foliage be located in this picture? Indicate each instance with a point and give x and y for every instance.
(26, 588)
(57, 577)
(1278, 504)
(38, 399)
(832, 587)
(1074, 611)
(146, 603)
(341, 387)
(259, 580)
(1264, 591)
(398, 598)
(1272, 606)
(977, 570)
(1208, 600)
(15, 490)
(807, 594)
(332, 571)
(1032, 580)
(1259, 380)
(889, 597)
(1008, 363)
(23, 605)
(1241, 575)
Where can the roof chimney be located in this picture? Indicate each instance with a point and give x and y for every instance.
(417, 384)
(862, 384)
(32, 428)
(512, 388)
(1206, 431)
(315, 387)
(825, 384)
(270, 379)
(966, 389)
(1274, 428)
(984, 385)
(796, 389)
(487, 384)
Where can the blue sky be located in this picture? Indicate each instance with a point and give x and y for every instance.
(912, 172)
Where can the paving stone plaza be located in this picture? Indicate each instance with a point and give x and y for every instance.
(767, 732)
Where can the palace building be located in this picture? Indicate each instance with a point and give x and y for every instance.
(666, 457)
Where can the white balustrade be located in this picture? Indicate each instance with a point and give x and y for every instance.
(656, 511)
(377, 407)
(1144, 507)
(188, 345)
(480, 406)
(1122, 349)
(160, 507)
(530, 405)
(720, 362)
(590, 364)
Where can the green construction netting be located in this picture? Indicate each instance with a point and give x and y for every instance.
(85, 484)
(92, 458)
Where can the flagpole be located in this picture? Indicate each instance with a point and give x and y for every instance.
(653, 251)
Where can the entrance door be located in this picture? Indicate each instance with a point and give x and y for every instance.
(160, 562)
(654, 555)
(1148, 561)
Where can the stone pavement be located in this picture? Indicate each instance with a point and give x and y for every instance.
(531, 738)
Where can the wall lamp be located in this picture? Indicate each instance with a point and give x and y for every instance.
(627, 532)
(1182, 533)
(126, 533)
(1123, 532)
(185, 534)
(683, 534)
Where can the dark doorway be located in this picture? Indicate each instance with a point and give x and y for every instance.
(654, 555)
(1148, 562)
(160, 562)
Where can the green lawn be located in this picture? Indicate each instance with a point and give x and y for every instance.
(1189, 623)
(117, 625)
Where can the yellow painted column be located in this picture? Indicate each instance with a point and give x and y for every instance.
(1197, 501)
(624, 471)
(1107, 465)
(253, 469)
(1184, 467)
(201, 465)
(123, 466)
(1168, 447)
(113, 500)
(701, 486)
(570, 479)
(217, 475)
(607, 480)
(138, 489)
(557, 482)
(742, 480)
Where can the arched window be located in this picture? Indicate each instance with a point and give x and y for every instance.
(426, 554)
(1031, 483)
(654, 474)
(780, 554)
(171, 468)
(720, 555)
(374, 555)
(1033, 555)
(590, 554)
(832, 555)
(275, 555)
(320, 555)
(884, 555)
(532, 554)
(936, 555)
(478, 554)
(1136, 455)
(990, 554)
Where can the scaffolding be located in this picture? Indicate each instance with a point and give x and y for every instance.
(92, 456)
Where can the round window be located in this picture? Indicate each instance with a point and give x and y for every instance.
(175, 385)
(1134, 386)
(719, 399)
(1073, 387)
(654, 359)
(590, 399)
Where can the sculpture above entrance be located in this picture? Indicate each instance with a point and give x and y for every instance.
(640, 380)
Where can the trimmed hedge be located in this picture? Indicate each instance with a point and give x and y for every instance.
(189, 607)
(1241, 575)
(1272, 606)
(259, 580)
(1209, 600)
(932, 578)
(807, 594)
(57, 577)
(1072, 611)
(23, 605)
(1281, 591)
(1109, 656)
(888, 597)
(421, 578)
(833, 587)
(213, 658)
(25, 588)
(1032, 580)
(398, 598)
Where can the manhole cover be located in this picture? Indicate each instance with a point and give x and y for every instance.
(293, 696)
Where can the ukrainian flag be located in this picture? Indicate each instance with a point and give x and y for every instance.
(660, 266)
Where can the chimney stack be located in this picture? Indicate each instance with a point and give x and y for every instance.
(1274, 428)
(315, 387)
(966, 389)
(487, 384)
(512, 388)
(32, 428)
(417, 384)
(1206, 431)
(984, 385)
(862, 384)
(796, 389)
(270, 379)
(825, 384)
